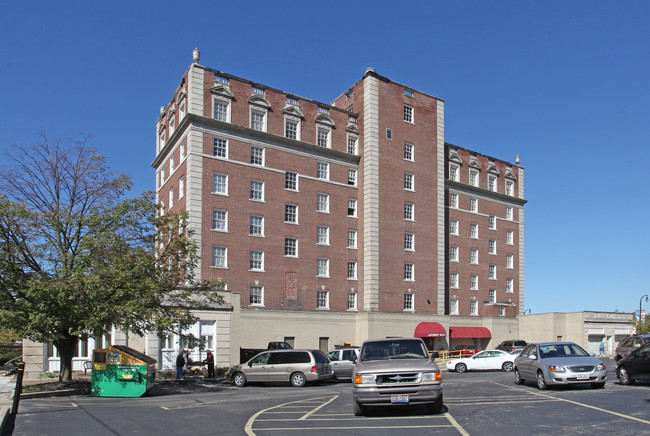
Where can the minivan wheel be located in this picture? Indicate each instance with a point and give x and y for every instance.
(461, 367)
(541, 383)
(359, 410)
(624, 376)
(298, 379)
(507, 366)
(518, 379)
(239, 379)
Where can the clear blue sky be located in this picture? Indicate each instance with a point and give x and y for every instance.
(563, 84)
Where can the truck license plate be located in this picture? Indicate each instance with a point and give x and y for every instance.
(399, 398)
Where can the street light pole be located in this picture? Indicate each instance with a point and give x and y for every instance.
(640, 301)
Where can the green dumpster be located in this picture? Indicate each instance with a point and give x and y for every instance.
(120, 371)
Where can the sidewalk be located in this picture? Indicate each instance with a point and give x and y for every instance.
(7, 385)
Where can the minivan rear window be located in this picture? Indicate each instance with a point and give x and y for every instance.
(319, 356)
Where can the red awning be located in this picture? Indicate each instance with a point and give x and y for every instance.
(469, 332)
(429, 330)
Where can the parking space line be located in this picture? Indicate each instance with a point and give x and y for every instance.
(351, 428)
(307, 415)
(456, 425)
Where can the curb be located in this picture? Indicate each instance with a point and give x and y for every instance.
(4, 413)
(48, 394)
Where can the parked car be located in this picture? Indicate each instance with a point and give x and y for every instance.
(635, 366)
(559, 363)
(343, 361)
(627, 345)
(464, 350)
(512, 345)
(516, 353)
(298, 367)
(396, 372)
(483, 360)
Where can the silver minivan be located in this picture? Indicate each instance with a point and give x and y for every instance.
(276, 366)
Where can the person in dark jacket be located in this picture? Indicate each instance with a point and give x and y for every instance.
(209, 359)
(180, 363)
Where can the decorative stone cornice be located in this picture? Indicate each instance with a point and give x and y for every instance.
(259, 100)
(222, 90)
(325, 119)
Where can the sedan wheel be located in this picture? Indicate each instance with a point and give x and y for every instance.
(507, 366)
(541, 383)
(624, 376)
(518, 379)
(239, 379)
(461, 367)
(298, 379)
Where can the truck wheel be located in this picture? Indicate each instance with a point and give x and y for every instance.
(359, 410)
(435, 407)
(298, 379)
(239, 379)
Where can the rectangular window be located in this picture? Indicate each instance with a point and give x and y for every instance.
(171, 198)
(323, 235)
(256, 296)
(473, 282)
(473, 231)
(291, 128)
(473, 307)
(291, 247)
(510, 285)
(257, 190)
(181, 187)
(389, 134)
(323, 170)
(352, 270)
(453, 280)
(220, 220)
(493, 272)
(409, 273)
(509, 213)
(492, 296)
(221, 110)
(473, 205)
(323, 137)
(408, 211)
(256, 260)
(290, 213)
(492, 183)
(453, 227)
(409, 241)
(473, 178)
(322, 202)
(509, 187)
(502, 311)
(492, 246)
(258, 120)
(510, 261)
(408, 113)
(453, 253)
(352, 301)
(453, 200)
(322, 299)
(473, 256)
(182, 151)
(352, 177)
(257, 155)
(510, 237)
(256, 227)
(493, 222)
(171, 164)
(454, 172)
(352, 207)
(453, 306)
(352, 239)
(220, 183)
(353, 145)
(408, 301)
(409, 182)
(323, 267)
(408, 151)
(219, 257)
(220, 147)
(291, 181)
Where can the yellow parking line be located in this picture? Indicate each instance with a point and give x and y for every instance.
(456, 425)
(354, 428)
(249, 425)
(307, 415)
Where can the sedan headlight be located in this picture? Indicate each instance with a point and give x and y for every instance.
(556, 368)
(361, 379)
(601, 367)
(431, 376)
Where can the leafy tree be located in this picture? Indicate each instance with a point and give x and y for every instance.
(78, 258)
(643, 327)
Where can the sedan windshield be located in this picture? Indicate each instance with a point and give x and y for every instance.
(561, 350)
(397, 349)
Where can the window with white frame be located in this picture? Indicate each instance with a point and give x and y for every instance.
(509, 213)
(181, 187)
(220, 220)
(256, 295)
(408, 113)
(502, 311)
(509, 187)
(409, 241)
(352, 301)
(219, 257)
(322, 202)
(257, 190)
(257, 155)
(353, 145)
(492, 222)
(473, 307)
(291, 181)
(408, 151)
(453, 280)
(162, 175)
(291, 247)
(221, 110)
(453, 200)
(171, 164)
(509, 237)
(352, 239)
(473, 256)
(473, 205)
(323, 235)
(409, 182)
(182, 109)
(453, 306)
(182, 151)
(256, 225)
(256, 260)
(220, 183)
(510, 285)
(323, 136)
(323, 170)
(473, 178)
(409, 271)
(492, 272)
(162, 208)
(453, 253)
(171, 198)
(322, 299)
(291, 213)
(352, 177)
(492, 247)
(453, 227)
(220, 147)
(322, 267)
(510, 261)
(492, 295)
(292, 128)
(473, 282)
(408, 301)
(352, 207)
(409, 211)
(454, 172)
(352, 270)
(492, 182)
(258, 120)
(473, 231)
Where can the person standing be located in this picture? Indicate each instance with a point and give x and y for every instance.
(180, 363)
(601, 348)
(209, 359)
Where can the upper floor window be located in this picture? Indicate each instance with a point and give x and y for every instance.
(473, 282)
(291, 213)
(258, 120)
(492, 248)
(352, 177)
(409, 241)
(473, 231)
(409, 211)
(352, 207)
(509, 214)
(492, 182)
(453, 253)
(509, 187)
(453, 280)
(473, 178)
(257, 190)
(291, 247)
(220, 183)
(473, 204)
(408, 151)
(291, 181)
(409, 182)
(257, 155)
(492, 272)
(453, 200)
(453, 227)
(292, 128)
(473, 307)
(353, 145)
(492, 296)
(256, 227)
(510, 261)
(352, 270)
(352, 239)
(492, 222)
(409, 271)
(454, 172)
(502, 311)
(219, 257)
(220, 220)
(453, 306)
(323, 267)
(181, 187)
(509, 237)
(322, 202)
(323, 137)
(256, 297)
(408, 301)
(171, 198)
(256, 260)
(352, 301)
(408, 113)
(220, 147)
(473, 256)
(322, 235)
(322, 299)
(510, 285)
(221, 110)
(323, 170)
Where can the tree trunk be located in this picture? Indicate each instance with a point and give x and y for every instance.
(66, 349)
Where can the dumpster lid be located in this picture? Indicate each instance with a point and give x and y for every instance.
(134, 354)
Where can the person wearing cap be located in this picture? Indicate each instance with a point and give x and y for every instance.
(209, 359)
(180, 363)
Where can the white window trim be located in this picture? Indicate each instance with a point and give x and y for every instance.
(227, 187)
(261, 303)
(319, 234)
(298, 123)
(327, 267)
(221, 101)
(225, 229)
(296, 247)
(326, 203)
(411, 301)
(261, 111)
(225, 257)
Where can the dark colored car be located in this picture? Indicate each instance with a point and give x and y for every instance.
(629, 344)
(464, 350)
(635, 366)
(512, 345)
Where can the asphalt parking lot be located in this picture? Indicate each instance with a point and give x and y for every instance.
(476, 403)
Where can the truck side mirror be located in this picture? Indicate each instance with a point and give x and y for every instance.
(353, 358)
(435, 354)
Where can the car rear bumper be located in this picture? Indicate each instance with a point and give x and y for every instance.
(375, 396)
